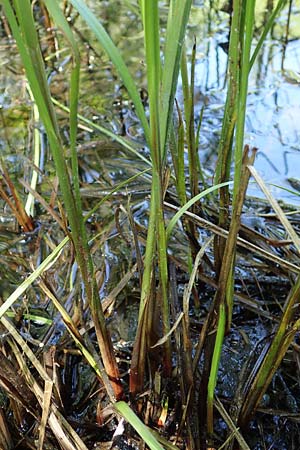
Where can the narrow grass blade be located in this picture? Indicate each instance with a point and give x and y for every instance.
(193, 200)
(94, 126)
(45, 412)
(225, 282)
(214, 367)
(152, 49)
(162, 340)
(178, 16)
(74, 332)
(115, 56)
(38, 271)
(61, 22)
(275, 205)
(125, 411)
(178, 159)
(188, 89)
(115, 189)
(243, 92)
(229, 117)
(29, 206)
(266, 29)
(234, 430)
(62, 430)
(241, 242)
(44, 266)
(25, 348)
(156, 229)
(24, 30)
(6, 441)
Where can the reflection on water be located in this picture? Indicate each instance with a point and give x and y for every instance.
(274, 116)
(273, 113)
(273, 103)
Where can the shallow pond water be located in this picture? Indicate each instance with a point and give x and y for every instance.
(272, 122)
(273, 110)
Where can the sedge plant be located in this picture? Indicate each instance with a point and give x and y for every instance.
(162, 82)
(22, 24)
(231, 148)
(21, 21)
(162, 67)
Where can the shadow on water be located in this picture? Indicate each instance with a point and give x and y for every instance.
(272, 126)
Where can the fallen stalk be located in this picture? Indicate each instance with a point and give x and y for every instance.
(207, 225)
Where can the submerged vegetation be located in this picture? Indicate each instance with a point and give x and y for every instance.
(151, 304)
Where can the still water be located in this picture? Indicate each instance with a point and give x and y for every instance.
(273, 112)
